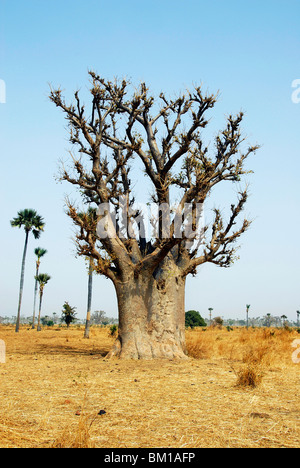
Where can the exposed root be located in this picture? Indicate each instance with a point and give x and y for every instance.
(146, 350)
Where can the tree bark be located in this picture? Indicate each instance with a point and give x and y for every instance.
(89, 304)
(151, 316)
(40, 309)
(22, 282)
(35, 296)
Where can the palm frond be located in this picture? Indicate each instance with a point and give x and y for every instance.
(36, 234)
(30, 220)
(43, 278)
(40, 252)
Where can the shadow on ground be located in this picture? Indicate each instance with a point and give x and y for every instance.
(70, 350)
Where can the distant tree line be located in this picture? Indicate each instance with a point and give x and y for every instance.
(67, 316)
(192, 319)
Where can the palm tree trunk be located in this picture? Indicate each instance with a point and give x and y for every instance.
(22, 282)
(35, 295)
(40, 308)
(89, 306)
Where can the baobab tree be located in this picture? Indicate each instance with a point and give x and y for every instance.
(121, 129)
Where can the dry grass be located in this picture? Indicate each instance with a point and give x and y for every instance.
(55, 383)
(249, 376)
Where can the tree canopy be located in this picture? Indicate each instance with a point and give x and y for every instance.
(194, 319)
(121, 126)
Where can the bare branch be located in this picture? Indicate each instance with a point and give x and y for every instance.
(121, 125)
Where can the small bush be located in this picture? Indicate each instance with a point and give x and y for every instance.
(194, 319)
(217, 323)
(248, 376)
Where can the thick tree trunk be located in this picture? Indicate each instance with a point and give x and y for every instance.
(151, 316)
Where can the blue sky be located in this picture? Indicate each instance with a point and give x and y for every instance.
(248, 50)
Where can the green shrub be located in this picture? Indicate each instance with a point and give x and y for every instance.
(194, 319)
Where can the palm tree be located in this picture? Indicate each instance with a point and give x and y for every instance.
(89, 303)
(32, 222)
(210, 311)
(91, 217)
(247, 315)
(42, 279)
(68, 314)
(39, 252)
(283, 318)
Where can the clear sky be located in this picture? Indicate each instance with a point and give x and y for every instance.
(248, 50)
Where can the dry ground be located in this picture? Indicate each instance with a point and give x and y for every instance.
(54, 383)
